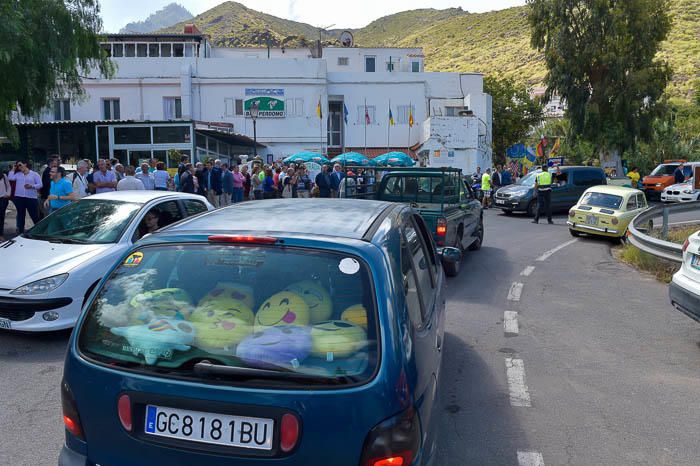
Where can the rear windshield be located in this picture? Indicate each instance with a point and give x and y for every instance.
(90, 221)
(237, 314)
(663, 170)
(423, 189)
(607, 201)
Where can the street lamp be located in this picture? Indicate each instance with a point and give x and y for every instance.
(254, 112)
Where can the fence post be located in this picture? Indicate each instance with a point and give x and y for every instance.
(664, 229)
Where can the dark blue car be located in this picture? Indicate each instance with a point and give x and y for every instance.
(285, 332)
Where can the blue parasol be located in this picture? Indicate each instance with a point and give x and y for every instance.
(352, 158)
(395, 159)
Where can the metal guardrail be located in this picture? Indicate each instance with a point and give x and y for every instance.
(640, 226)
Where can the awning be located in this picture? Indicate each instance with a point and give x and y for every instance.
(229, 138)
(51, 124)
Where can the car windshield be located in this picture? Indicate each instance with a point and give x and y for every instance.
(529, 179)
(428, 189)
(664, 170)
(235, 313)
(89, 221)
(607, 201)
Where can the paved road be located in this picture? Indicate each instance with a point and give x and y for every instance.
(602, 370)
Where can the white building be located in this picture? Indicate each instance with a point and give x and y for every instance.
(177, 93)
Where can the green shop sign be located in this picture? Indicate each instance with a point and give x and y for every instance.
(270, 107)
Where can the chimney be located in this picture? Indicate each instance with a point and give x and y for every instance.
(191, 29)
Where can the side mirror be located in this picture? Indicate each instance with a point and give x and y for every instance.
(450, 255)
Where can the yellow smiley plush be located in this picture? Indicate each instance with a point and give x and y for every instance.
(336, 339)
(284, 308)
(230, 291)
(316, 297)
(222, 324)
(356, 314)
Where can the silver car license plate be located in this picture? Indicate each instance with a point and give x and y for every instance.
(591, 220)
(220, 429)
(500, 201)
(6, 324)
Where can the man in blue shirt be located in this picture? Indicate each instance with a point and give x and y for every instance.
(214, 175)
(61, 193)
(679, 175)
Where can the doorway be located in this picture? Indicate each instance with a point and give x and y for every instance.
(335, 138)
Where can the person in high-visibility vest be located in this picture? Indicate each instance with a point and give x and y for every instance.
(486, 188)
(543, 186)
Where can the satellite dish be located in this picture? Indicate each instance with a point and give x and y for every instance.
(346, 39)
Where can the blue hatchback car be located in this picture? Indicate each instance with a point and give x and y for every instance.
(285, 332)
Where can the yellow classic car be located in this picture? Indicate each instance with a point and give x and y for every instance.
(606, 211)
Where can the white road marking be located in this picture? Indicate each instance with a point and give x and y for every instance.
(510, 322)
(549, 253)
(515, 373)
(530, 458)
(515, 291)
(528, 271)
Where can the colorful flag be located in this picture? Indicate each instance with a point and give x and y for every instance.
(368, 121)
(318, 109)
(540, 147)
(410, 116)
(555, 148)
(391, 117)
(345, 113)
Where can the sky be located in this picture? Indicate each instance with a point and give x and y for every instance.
(322, 13)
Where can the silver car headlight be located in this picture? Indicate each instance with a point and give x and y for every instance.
(41, 286)
(687, 191)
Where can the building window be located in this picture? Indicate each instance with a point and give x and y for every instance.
(107, 47)
(111, 109)
(178, 50)
(141, 50)
(165, 50)
(370, 64)
(117, 50)
(228, 107)
(153, 50)
(299, 107)
(361, 114)
(189, 50)
(129, 50)
(415, 66)
(61, 110)
(402, 114)
(172, 108)
(343, 61)
(239, 107)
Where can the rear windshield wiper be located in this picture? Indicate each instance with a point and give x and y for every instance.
(205, 368)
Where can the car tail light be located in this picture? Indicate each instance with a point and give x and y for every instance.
(614, 221)
(686, 243)
(289, 432)
(71, 419)
(124, 411)
(394, 441)
(242, 239)
(441, 227)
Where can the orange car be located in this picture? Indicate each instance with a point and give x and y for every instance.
(659, 179)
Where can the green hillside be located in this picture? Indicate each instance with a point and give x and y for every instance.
(493, 43)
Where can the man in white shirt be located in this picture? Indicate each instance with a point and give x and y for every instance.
(28, 183)
(80, 183)
(146, 178)
(130, 182)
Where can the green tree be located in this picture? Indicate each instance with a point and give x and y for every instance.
(514, 113)
(601, 58)
(47, 45)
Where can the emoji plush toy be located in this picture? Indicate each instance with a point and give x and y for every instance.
(284, 308)
(336, 339)
(221, 324)
(285, 345)
(316, 297)
(231, 291)
(356, 314)
(171, 303)
(158, 338)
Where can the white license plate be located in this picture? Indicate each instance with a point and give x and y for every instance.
(500, 201)
(695, 261)
(219, 429)
(591, 220)
(6, 324)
